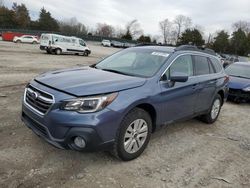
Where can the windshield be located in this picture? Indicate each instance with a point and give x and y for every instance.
(238, 70)
(135, 62)
(82, 43)
(243, 59)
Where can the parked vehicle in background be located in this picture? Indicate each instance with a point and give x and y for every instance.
(239, 81)
(230, 59)
(244, 59)
(128, 45)
(222, 59)
(117, 44)
(106, 43)
(59, 44)
(26, 39)
(116, 104)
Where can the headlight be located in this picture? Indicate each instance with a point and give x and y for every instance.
(89, 104)
(247, 89)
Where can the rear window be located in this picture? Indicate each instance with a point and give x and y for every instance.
(201, 65)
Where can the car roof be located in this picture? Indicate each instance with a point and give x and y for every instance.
(183, 49)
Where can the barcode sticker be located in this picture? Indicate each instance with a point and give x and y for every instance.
(160, 54)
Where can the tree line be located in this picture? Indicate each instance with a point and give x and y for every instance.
(180, 31)
(176, 32)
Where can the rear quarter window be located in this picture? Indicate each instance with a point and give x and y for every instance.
(216, 64)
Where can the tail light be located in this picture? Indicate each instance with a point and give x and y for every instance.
(226, 78)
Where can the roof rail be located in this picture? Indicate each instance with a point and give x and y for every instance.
(186, 47)
(195, 48)
(209, 51)
(147, 44)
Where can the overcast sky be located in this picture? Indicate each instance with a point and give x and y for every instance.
(212, 15)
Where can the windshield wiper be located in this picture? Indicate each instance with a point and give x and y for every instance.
(93, 66)
(118, 72)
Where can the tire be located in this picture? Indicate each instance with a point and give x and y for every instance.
(48, 51)
(214, 111)
(34, 42)
(135, 131)
(85, 53)
(237, 100)
(58, 51)
(18, 41)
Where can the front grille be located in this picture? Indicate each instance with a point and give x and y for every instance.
(39, 100)
(239, 93)
(234, 91)
(35, 125)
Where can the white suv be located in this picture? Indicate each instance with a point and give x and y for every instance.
(26, 39)
(106, 43)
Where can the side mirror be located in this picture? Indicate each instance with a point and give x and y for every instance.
(178, 77)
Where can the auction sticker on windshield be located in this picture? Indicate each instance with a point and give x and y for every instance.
(160, 54)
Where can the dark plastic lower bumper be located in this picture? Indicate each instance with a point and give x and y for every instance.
(238, 94)
(92, 139)
(43, 47)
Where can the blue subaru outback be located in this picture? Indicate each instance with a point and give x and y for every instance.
(116, 104)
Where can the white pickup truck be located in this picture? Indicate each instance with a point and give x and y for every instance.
(59, 44)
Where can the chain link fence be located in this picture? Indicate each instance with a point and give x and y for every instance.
(84, 37)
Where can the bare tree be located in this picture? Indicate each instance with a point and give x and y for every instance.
(119, 32)
(156, 38)
(243, 25)
(72, 27)
(182, 22)
(166, 28)
(105, 30)
(134, 29)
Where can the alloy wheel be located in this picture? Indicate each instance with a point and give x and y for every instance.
(215, 109)
(135, 135)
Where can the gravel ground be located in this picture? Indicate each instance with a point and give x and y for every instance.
(187, 154)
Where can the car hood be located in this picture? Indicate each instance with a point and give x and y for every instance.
(238, 83)
(88, 81)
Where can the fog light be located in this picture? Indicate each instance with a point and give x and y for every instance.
(79, 142)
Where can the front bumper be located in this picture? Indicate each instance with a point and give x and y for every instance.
(59, 127)
(43, 47)
(238, 94)
(93, 140)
